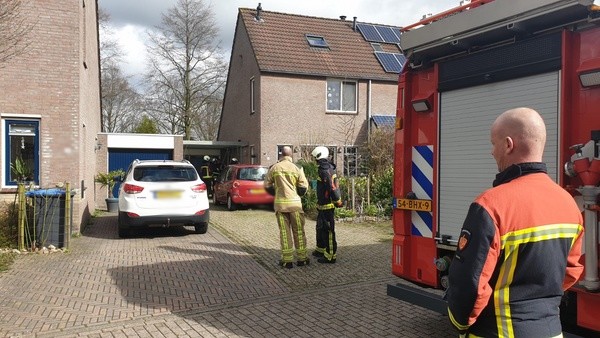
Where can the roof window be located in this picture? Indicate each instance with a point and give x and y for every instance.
(316, 41)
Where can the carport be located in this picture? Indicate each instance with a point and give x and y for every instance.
(222, 151)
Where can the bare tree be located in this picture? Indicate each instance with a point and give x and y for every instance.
(110, 52)
(14, 29)
(186, 69)
(206, 126)
(121, 104)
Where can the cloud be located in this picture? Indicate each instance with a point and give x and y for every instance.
(131, 39)
(131, 18)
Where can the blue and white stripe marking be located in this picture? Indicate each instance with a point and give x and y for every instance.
(422, 186)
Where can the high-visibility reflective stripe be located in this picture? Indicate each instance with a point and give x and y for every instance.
(301, 249)
(282, 200)
(325, 206)
(455, 323)
(287, 253)
(510, 243)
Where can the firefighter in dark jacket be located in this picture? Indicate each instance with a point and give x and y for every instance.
(520, 244)
(328, 198)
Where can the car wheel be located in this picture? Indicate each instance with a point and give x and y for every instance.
(123, 227)
(230, 205)
(201, 228)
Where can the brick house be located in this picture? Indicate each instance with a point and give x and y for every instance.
(50, 102)
(305, 81)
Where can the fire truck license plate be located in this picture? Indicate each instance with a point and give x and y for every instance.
(417, 205)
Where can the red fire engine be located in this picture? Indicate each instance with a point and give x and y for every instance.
(464, 67)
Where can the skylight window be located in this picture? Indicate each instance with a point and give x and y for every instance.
(376, 47)
(316, 41)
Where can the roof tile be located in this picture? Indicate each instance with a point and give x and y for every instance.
(280, 45)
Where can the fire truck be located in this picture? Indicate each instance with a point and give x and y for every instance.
(464, 67)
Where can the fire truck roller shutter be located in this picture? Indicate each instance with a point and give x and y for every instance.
(466, 167)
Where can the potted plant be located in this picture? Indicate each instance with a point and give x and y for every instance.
(109, 180)
(21, 170)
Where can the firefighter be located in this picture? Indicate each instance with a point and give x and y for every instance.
(206, 175)
(288, 183)
(328, 198)
(520, 244)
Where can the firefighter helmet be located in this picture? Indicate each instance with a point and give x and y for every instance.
(320, 153)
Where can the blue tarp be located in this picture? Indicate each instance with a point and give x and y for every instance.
(54, 192)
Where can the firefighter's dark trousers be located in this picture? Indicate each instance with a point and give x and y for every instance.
(291, 234)
(326, 233)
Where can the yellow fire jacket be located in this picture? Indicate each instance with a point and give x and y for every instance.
(288, 182)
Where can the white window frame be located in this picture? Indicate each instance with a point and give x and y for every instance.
(341, 96)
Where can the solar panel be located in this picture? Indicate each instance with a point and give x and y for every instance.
(397, 31)
(387, 34)
(389, 62)
(369, 32)
(384, 120)
(401, 59)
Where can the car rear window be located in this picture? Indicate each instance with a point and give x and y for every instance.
(252, 174)
(164, 173)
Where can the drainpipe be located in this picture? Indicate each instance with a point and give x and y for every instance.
(369, 111)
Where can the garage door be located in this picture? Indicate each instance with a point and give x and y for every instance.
(121, 158)
(466, 166)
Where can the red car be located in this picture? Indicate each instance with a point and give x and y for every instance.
(241, 184)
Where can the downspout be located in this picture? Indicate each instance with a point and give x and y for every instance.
(369, 112)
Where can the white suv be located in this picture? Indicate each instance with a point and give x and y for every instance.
(162, 193)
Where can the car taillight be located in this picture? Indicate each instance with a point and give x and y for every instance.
(199, 187)
(235, 184)
(132, 189)
(200, 213)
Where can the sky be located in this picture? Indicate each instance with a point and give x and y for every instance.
(131, 19)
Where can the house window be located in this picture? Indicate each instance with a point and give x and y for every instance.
(252, 100)
(316, 41)
(351, 161)
(306, 152)
(22, 140)
(341, 96)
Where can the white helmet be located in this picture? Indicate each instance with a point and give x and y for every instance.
(320, 152)
(206, 158)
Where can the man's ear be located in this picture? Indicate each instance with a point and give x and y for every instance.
(509, 144)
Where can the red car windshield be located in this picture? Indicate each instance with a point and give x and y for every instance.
(252, 174)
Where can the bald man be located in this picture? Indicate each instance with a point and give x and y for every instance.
(520, 243)
(287, 182)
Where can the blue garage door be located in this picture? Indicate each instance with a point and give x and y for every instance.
(121, 158)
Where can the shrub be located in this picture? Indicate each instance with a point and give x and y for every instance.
(381, 189)
(8, 225)
(344, 213)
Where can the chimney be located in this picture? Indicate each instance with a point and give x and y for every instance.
(354, 24)
(258, 10)
(342, 17)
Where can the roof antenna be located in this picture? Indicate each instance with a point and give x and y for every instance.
(258, 10)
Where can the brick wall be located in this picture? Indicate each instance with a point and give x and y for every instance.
(50, 82)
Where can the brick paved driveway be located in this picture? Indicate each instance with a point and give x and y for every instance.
(173, 283)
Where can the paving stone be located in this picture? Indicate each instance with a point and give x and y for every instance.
(225, 283)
